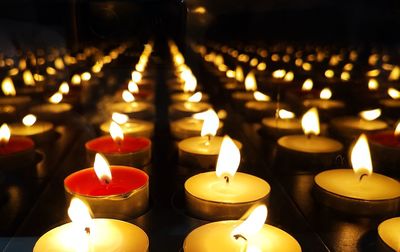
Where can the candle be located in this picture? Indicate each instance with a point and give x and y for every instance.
(283, 124)
(225, 193)
(261, 107)
(10, 98)
(325, 104)
(130, 127)
(15, 151)
(182, 97)
(53, 111)
(358, 191)
(248, 235)
(239, 78)
(131, 107)
(38, 130)
(120, 149)
(250, 84)
(87, 234)
(310, 150)
(187, 109)
(389, 233)
(111, 191)
(391, 106)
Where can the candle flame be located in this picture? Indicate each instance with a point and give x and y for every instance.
(345, 76)
(397, 130)
(79, 214)
(128, 96)
(253, 223)
(86, 76)
(329, 73)
(361, 157)
(306, 66)
(325, 94)
(119, 118)
(260, 96)
(38, 77)
(250, 82)
(239, 75)
(133, 87)
(64, 88)
(56, 98)
(262, 66)
(394, 74)
(230, 74)
(59, 64)
(279, 74)
(289, 76)
(370, 115)
(196, 97)
(373, 84)
(116, 132)
(285, 114)
(76, 79)
(307, 85)
(228, 159)
(50, 70)
(102, 169)
(5, 134)
(13, 71)
(310, 122)
(190, 83)
(394, 93)
(28, 78)
(7, 86)
(373, 73)
(136, 76)
(29, 120)
(210, 124)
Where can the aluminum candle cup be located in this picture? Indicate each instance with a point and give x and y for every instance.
(126, 196)
(135, 128)
(187, 109)
(211, 198)
(189, 127)
(342, 190)
(136, 109)
(201, 153)
(389, 232)
(52, 112)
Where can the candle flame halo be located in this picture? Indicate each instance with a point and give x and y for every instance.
(285, 114)
(228, 159)
(210, 123)
(239, 75)
(133, 87)
(361, 157)
(279, 74)
(136, 76)
(196, 97)
(29, 120)
(258, 96)
(116, 132)
(5, 134)
(373, 84)
(28, 78)
(190, 83)
(64, 88)
(394, 74)
(310, 122)
(325, 94)
(102, 169)
(7, 86)
(252, 224)
(76, 79)
(119, 118)
(370, 115)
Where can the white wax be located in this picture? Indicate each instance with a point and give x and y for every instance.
(323, 104)
(279, 123)
(201, 145)
(193, 107)
(131, 127)
(217, 236)
(391, 103)
(51, 108)
(18, 129)
(359, 124)
(314, 144)
(261, 105)
(243, 96)
(389, 232)
(344, 182)
(132, 107)
(106, 235)
(241, 188)
(190, 124)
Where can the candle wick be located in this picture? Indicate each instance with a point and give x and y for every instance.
(240, 236)
(226, 179)
(362, 176)
(87, 230)
(309, 135)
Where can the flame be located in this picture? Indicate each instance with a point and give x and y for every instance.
(250, 82)
(260, 96)
(370, 115)
(28, 78)
(38, 77)
(76, 79)
(397, 130)
(325, 94)
(64, 88)
(306, 66)
(22, 64)
(253, 224)
(119, 118)
(262, 66)
(289, 76)
(79, 214)
(13, 71)
(373, 84)
(51, 71)
(329, 73)
(239, 75)
(210, 124)
(285, 114)
(128, 96)
(199, 10)
(29, 120)
(116, 132)
(373, 73)
(279, 74)
(230, 74)
(136, 76)
(5, 134)
(7, 86)
(307, 85)
(59, 64)
(228, 158)
(394, 74)
(102, 168)
(345, 76)
(361, 156)
(86, 76)
(196, 97)
(393, 93)
(190, 83)
(133, 87)
(96, 68)
(310, 122)
(56, 98)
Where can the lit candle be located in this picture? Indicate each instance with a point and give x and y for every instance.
(224, 194)
(182, 97)
(131, 107)
(239, 78)
(261, 106)
(130, 127)
(188, 108)
(120, 149)
(250, 84)
(30, 127)
(111, 191)
(391, 106)
(10, 95)
(389, 233)
(282, 124)
(55, 110)
(238, 235)
(325, 103)
(358, 191)
(87, 234)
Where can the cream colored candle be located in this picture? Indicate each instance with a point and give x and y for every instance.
(31, 127)
(182, 97)
(51, 108)
(188, 127)
(203, 145)
(389, 232)
(324, 103)
(285, 120)
(131, 127)
(394, 102)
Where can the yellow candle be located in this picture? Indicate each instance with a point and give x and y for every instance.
(389, 232)
(285, 124)
(30, 127)
(188, 127)
(131, 107)
(203, 145)
(314, 144)
(58, 108)
(356, 123)
(190, 107)
(131, 127)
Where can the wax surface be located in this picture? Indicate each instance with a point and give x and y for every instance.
(357, 123)
(390, 103)
(181, 97)
(261, 105)
(15, 100)
(194, 107)
(385, 138)
(216, 236)
(124, 180)
(242, 188)
(16, 144)
(51, 108)
(200, 145)
(389, 232)
(106, 235)
(315, 144)
(39, 127)
(282, 123)
(191, 124)
(243, 95)
(345, 183)
(323, 104)
(124, 107)
(130, 127)
(106, 144)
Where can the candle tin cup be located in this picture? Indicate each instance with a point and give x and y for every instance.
(187, 109)
(210, 198)
(135, 128)
(189, 127)
(52, 112)
(133, 151)
(18, 152)
(199, 152)
(385, 151)
(380, 195)
(388, 232)
(129, 200)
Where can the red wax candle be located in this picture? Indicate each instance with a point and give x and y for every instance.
(385, 152)
(18, 152)
(131, 151)
(386, 138)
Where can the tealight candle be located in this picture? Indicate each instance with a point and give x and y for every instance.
(133, 108)
(248, 235)
(389, 232)
(87, 234)
(182, 97)
(262, 106)
(11, 98)
(130, 127)
(15, 151)
(111, 191)
(187, 109)
(250, 83)
(360, 191)
(283, 124)
(325, 104)
(120, 149)
(310, 149)
(38, 130)
(391, 107)
(237, 84)
(53, 111)
(224, 193)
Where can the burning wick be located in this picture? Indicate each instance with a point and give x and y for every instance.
(240, 236)
(226, 179)
(87, 230)
(362, 176)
